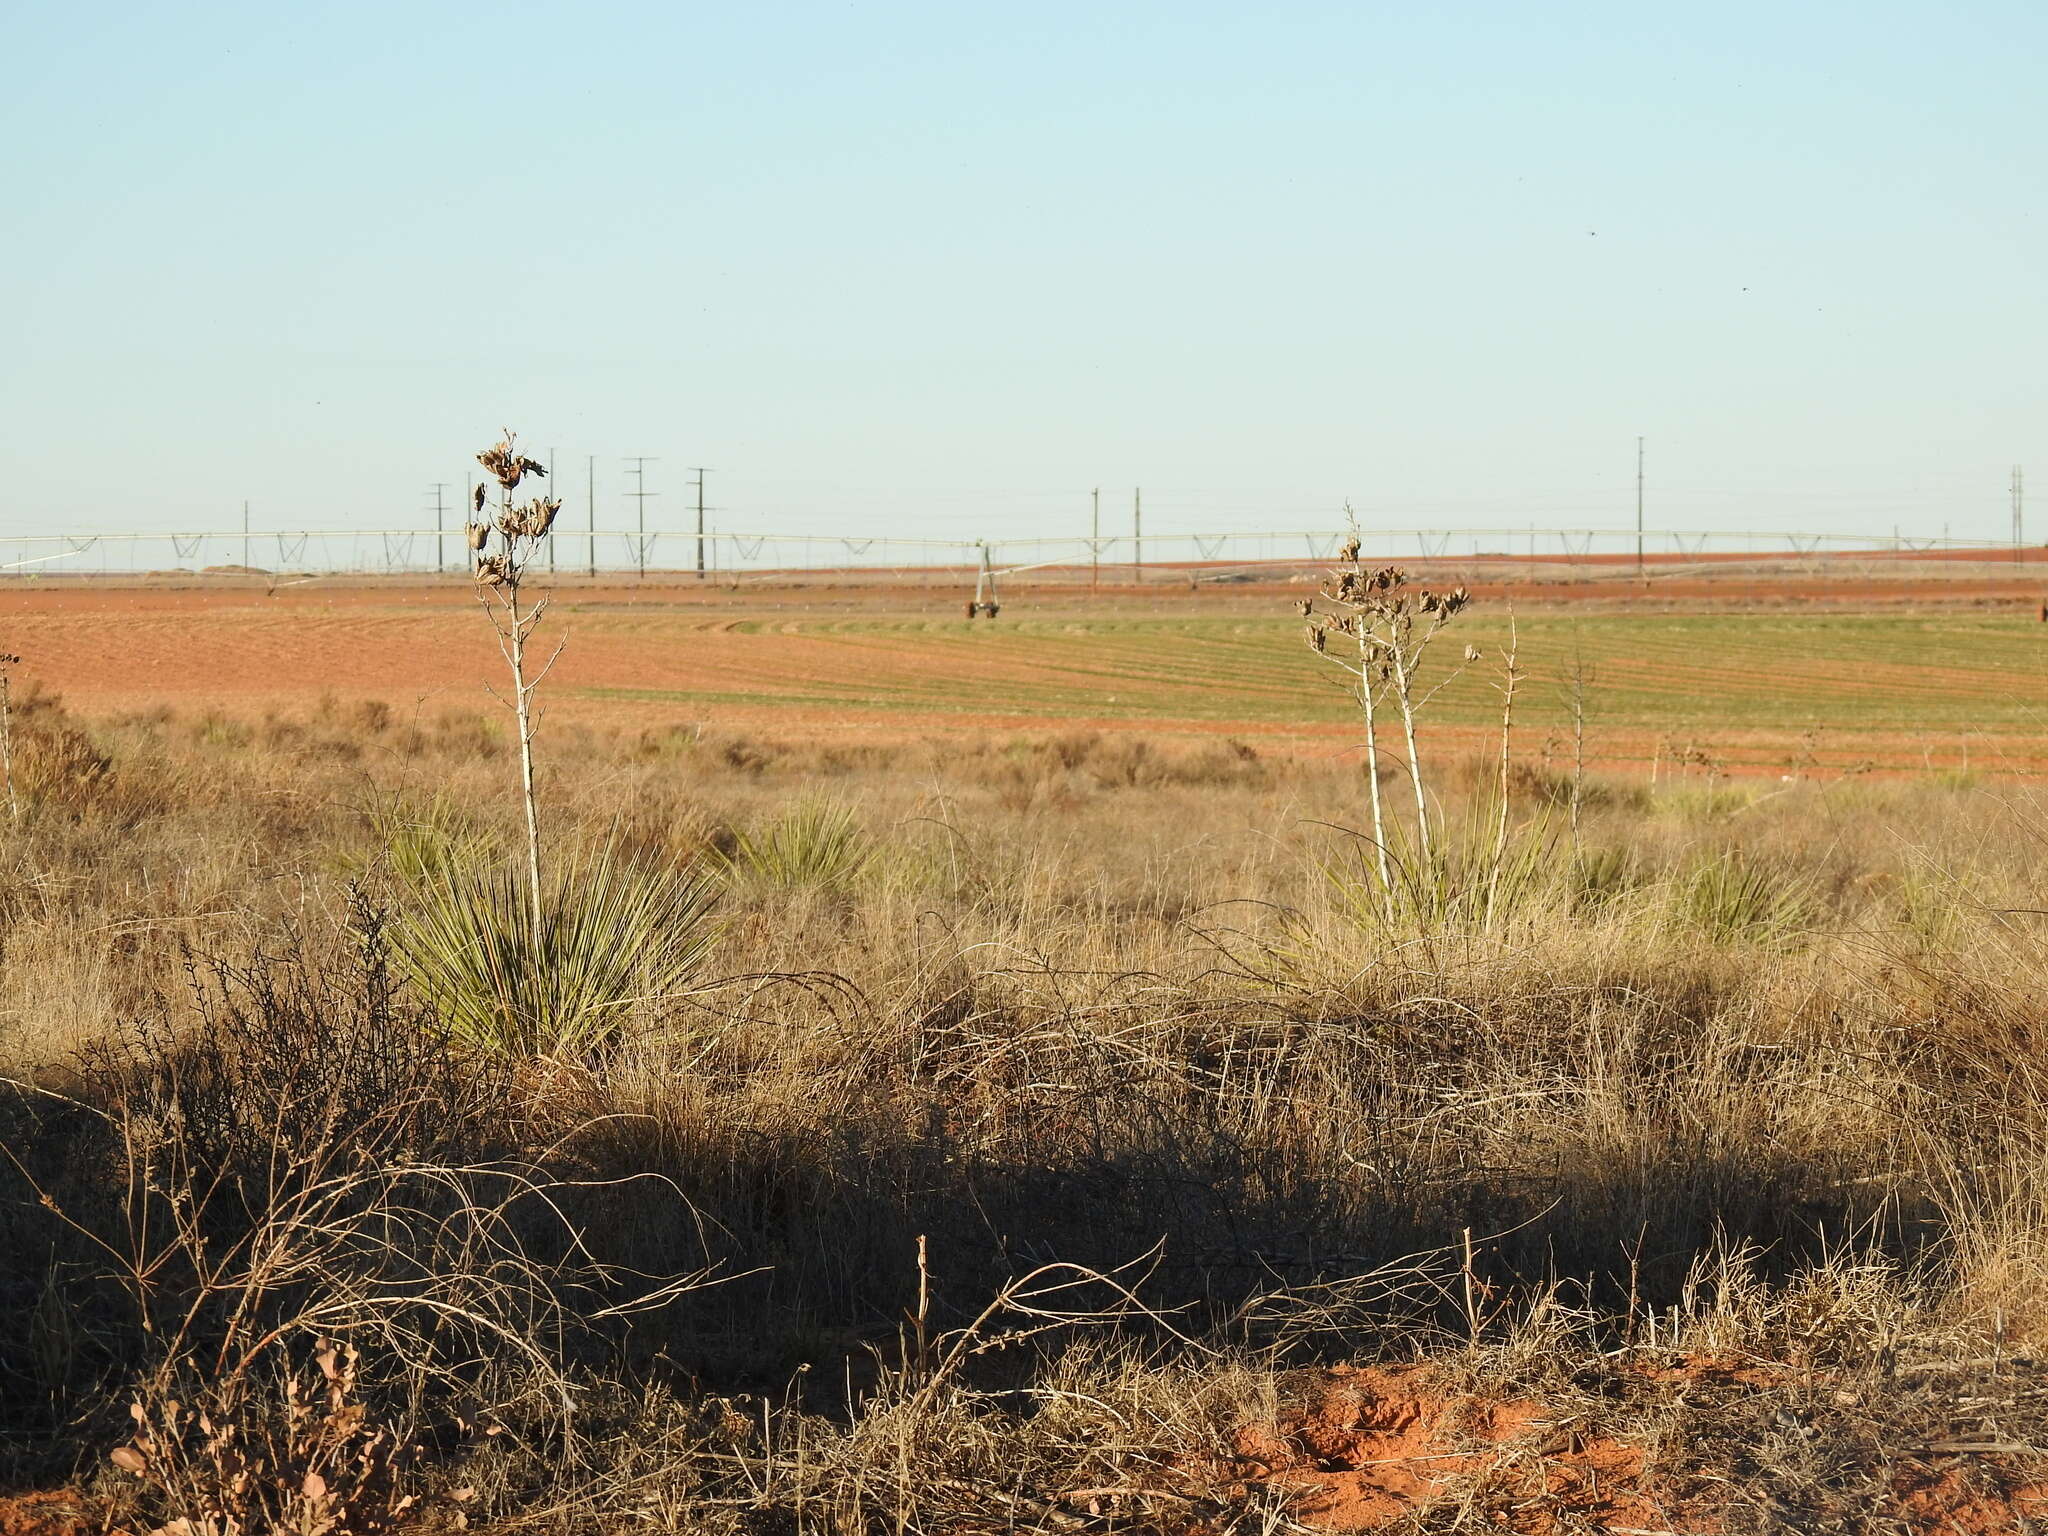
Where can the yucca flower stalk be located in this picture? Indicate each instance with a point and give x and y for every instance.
(7, 665)
(1391, 626)
(520, 528)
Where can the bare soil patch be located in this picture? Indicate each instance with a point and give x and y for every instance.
(1383, 1448)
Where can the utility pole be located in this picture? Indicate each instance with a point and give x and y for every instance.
(2018, 484)
(440, 512)
(1642, 575)
(551, 492)
(640, 493)
(590, 494)
(700, 473)
(1137, 535)
(245, 534)
(1095, 538)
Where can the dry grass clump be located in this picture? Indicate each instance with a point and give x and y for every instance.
(1045, 1111)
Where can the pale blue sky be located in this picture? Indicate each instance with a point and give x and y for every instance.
(943, 268)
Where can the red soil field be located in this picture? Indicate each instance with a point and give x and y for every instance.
(685, 651)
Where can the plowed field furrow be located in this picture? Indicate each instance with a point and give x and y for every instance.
(1891, 688)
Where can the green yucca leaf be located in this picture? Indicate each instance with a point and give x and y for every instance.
(813, 842)
(613, 933)
(1730, 897)
(1460, 886)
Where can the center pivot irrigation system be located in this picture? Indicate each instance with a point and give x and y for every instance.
(730, 556)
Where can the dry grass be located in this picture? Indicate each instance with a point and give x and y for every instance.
(1044, 1117)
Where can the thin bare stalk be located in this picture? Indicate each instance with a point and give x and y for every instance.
(1367, 698)
(522, 706)
(1507, 735)
(1405, 662)
(7, 735)
(1578, 702)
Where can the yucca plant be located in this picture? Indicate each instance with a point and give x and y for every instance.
(612, 933)
(1600, 877)
(1472, 878)
(813, 842)
(1731, 897)
(421, 838)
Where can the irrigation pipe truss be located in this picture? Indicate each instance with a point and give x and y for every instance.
(726, 551)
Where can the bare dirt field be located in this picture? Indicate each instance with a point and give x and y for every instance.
(1872, 664)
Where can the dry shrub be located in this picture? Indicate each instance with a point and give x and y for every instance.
(316, 1466)
(58, 770)
(304, 1227)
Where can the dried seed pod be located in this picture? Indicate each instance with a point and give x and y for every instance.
(507, 464)
(1349, 552)
(476, 497)
(479, 534)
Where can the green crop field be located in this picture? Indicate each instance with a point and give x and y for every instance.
(1895, 688)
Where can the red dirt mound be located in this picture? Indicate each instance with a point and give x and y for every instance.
(1374, 1445)
(1374, 1448)
(1952, 1503)
(55, 1513)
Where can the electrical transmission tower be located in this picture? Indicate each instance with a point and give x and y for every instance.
(640, 493)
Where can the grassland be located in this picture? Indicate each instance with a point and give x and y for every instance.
(1049, 1138)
